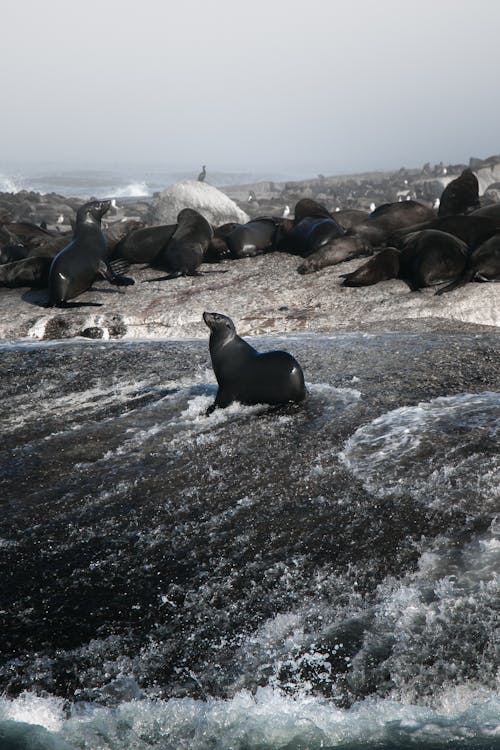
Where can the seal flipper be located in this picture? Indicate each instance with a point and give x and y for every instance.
(119, 266)
(163, 278)
(68, 305)
(221, 402)
(108, 272)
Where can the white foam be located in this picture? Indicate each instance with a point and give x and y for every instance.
(138, 189)
(10, 184)
(33, 709)
(267, 719)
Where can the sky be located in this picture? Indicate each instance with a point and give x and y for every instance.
(319, 86)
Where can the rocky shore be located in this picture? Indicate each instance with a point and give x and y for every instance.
(264, 294)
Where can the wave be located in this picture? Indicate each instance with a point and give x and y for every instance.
(439, 452)
(139, 189)
(10, 184)
(269, 719)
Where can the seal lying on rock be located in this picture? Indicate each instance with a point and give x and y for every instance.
(245, 375)
(389, 217)
(483, 264)
(144, 245)
(217, 249)
(334, 252)
(470, 228)
(431, 257)
(253, 238)
(382, 267)
(32, 272)
(306, 237)
(77, 266)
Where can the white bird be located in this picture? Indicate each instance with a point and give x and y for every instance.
(372, 207)
(60, 219)
(286, 212)
(436, 203)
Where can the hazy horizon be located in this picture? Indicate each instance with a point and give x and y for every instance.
(257, 87)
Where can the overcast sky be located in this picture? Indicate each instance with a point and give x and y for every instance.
(322, 85)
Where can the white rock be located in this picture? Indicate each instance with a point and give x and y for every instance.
(216, 207)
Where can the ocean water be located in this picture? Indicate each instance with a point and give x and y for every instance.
(314, 576)
(119, 181)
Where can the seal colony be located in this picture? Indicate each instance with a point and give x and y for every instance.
(404, 240)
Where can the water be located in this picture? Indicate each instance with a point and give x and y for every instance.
(118, 181)
(323, 575)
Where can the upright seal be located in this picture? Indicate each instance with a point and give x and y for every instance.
(244, 374)
(76, 267)
(183, 253)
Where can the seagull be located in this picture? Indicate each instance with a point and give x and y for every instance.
(372, 207)
(286, 212)
(202, 175)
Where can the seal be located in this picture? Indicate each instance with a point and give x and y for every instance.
(334, 252)
(473, 229)
(184, 253)
(11, 253)
(76, 267)
(308, 235)
(382, 267)
(483, 264)
(431, 257)
(145, 244)
(492, 211)
(247, 376)
(349, 218)
(253, 238)
(307, 207)
(32, 272)
(460, 195)
(389, 217)
(217, 249)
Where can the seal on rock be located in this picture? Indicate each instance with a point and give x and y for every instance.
(311, 233)
(460, 195)
(183, 254)
(431, 257)
(217, 249)
(145, 244)
(334, 252)
(389, 217)
(472, 229)
(75, 268)
(11, 253)
(247, 376)
(382, 267)
(253, 238)
(349, 218)
(32, 272)
(483, 264)
(307, 207)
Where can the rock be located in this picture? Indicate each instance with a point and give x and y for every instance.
(211, 203)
